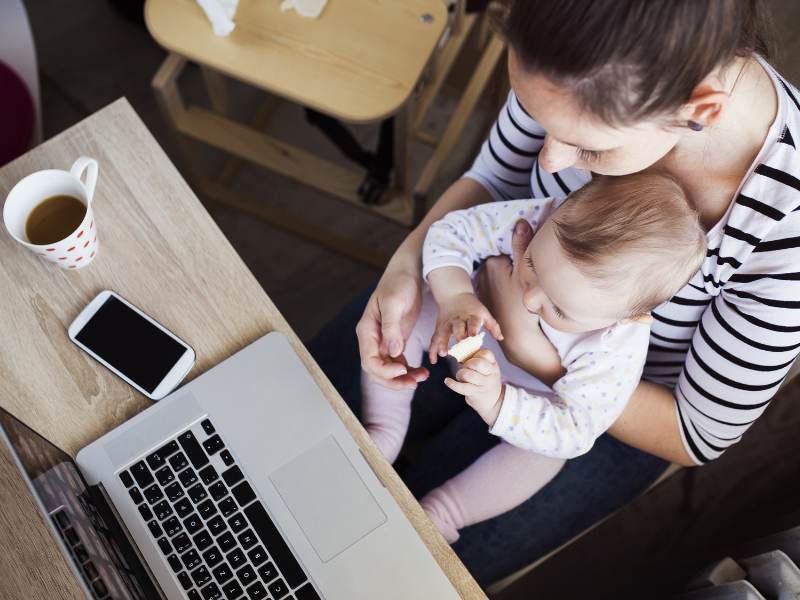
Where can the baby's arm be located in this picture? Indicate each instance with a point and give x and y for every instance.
(585, 401)
(453, 244)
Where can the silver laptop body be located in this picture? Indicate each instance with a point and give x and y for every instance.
(260, 411)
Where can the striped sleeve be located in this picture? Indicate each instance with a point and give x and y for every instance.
(743, 346)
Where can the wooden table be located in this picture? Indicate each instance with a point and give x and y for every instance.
(160, 249)
(361, 61)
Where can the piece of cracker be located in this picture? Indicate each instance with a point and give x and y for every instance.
(466, 348)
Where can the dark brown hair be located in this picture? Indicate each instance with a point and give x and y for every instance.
(628, 60)
(636, 235)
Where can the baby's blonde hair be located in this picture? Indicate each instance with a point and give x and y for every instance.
(645, 219)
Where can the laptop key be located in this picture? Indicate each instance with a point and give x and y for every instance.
(193, 524)
(174, 492)
(174, 563)
(275, 544)
(194, 595)
(172, 526)
(226, 457)
(201, 576)
(233, 475)
(257, 555)
(207, 509)
(243, 493)
(178, 462)
(193, 450)
(218, 491)
(232, 590)
(162, 510)
(278, 589)
(213, 445)
(142, 474)
(165, 546)
(212, 556)
(183, 577)
(181, 543)
(237, 522)
(211, 592)
(155, 461)
(188, 477)
(165, 475)
(307, 592)
(268, 572)
(216, 525)
(136, 495)
(256, 591)
(145, 511)
(227, 507)
(153, 494)
(247, 538)
(226, 541)
(246, 575)
(191, 559)
(159, 457)
(126, 479)
(207, 426)
(236, 558)
(155, 529)
(183, 507)
(222, 573)
(202, 540)
(197, 493)
(208, 475)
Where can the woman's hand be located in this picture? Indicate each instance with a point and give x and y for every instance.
(461, 315)
(384, 327)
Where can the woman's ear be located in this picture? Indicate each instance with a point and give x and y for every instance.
(706, 104)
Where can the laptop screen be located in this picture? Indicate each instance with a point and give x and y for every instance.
(93, 537)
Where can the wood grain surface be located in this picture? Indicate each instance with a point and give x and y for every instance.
(162, 251)
(366, 56)
(31, 565)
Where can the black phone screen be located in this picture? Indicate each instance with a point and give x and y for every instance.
(131, 344)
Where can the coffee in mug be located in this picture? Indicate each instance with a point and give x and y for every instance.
(50, 213)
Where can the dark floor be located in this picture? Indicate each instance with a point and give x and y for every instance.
(89, 55)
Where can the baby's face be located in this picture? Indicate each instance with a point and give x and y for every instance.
(555, 290)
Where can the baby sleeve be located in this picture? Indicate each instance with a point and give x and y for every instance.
(464, 237)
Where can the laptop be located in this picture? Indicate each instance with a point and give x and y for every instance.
(243, 483)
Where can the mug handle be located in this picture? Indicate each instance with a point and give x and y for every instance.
(88, 165)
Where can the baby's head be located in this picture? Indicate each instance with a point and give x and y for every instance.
(615, 249)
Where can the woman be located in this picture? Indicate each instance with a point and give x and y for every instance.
(615, 87)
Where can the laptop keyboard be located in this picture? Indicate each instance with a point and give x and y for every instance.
(209, 524)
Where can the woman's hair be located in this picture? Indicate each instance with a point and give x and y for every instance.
(628, 60)
(638, 232)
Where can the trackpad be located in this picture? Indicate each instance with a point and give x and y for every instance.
(328, 499)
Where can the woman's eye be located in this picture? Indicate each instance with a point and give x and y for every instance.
(589, 156)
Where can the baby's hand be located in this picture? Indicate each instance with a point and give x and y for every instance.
(480, 382)
(460, 316)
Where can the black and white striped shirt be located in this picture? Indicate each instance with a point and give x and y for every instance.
(726, 341)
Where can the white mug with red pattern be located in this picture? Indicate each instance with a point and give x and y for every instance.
(77, 249)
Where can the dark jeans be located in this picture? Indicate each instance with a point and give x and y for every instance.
(445, 436)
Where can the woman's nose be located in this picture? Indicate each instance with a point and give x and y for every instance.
(556, 156)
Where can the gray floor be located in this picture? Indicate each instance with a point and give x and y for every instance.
(89, 56)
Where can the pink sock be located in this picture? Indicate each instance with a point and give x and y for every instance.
(386, 412)
(501, 479)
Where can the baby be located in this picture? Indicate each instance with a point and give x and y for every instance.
(596, 266)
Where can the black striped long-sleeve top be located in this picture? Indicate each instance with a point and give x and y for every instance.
(726, 341)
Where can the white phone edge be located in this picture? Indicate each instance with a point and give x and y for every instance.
(176, 374)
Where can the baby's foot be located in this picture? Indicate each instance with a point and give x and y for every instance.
(438, 513)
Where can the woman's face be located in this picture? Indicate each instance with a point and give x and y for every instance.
(578, 139)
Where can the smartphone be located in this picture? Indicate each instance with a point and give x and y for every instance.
(132, 345)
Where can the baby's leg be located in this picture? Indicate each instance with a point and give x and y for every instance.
(501, 479)
(385, 412)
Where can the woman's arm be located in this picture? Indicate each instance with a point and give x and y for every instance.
(650, 423)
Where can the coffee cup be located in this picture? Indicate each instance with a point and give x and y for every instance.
(46, 203)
